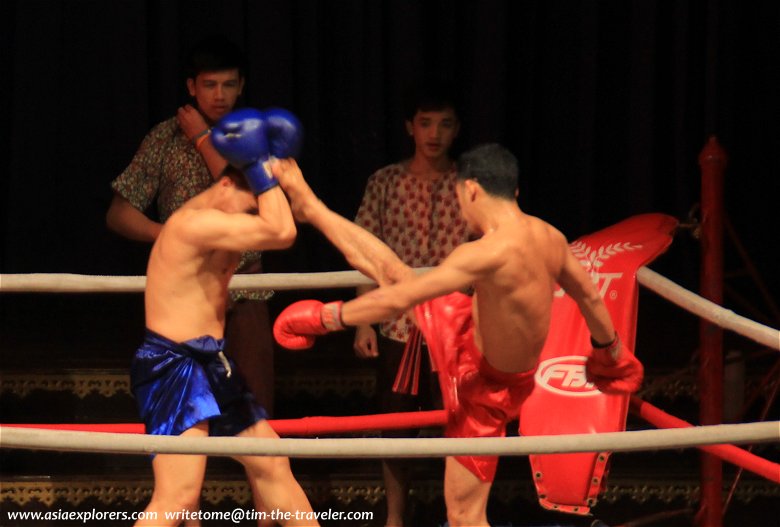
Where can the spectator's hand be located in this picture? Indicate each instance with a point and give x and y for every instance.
(191, 121)
(365, 343)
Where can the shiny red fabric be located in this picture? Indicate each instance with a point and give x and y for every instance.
(480, 400)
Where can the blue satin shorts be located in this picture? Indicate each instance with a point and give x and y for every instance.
(177, 385)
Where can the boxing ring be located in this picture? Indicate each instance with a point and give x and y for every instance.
(717, 441)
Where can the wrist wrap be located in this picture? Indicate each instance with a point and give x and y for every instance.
(331, 316)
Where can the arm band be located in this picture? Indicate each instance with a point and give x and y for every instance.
(330, 316)
(600, 345)
(200, 138)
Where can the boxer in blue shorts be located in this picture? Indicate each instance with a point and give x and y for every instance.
(178, 385)
(486, 348)
(182, 380)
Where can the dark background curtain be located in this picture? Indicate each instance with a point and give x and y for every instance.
(606, 104)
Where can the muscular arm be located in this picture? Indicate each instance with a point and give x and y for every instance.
(467, 264)
(610, 365)
(400, 288)
(272, 228)
(578, 285)
(124, 219)
(364, 251)
(275, 214)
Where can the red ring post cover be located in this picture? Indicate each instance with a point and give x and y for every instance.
(563, 402)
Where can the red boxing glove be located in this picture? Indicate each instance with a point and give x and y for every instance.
(613, 368)
(296, 326)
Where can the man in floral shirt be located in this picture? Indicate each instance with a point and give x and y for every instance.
(411, 206)
(176, 161)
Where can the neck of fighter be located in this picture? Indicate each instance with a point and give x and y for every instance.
(489, 213)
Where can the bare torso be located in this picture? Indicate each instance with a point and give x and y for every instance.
(513, 303)
(186, 286)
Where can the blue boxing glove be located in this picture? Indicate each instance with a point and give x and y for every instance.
(241, 138)
(284, 132)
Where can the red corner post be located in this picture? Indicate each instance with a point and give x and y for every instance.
(712, 162)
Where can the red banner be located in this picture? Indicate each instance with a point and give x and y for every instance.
(563, 402)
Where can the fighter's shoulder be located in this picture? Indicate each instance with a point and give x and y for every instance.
(556, 236)
(484, 254)
(178, 238)
(186, 220)
(556, 249)
(548, 233)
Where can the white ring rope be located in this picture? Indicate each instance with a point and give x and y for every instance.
(75, 283)
(710, 311)
(79, 283)
(38, 439)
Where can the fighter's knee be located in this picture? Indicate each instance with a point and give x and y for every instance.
(268, 468)
(458, 508)
(466, 506)
(464, 516)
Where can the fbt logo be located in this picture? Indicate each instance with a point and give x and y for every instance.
(565, 376)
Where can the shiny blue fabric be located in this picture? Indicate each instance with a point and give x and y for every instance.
(177, 385)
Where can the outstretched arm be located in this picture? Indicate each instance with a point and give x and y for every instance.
(364, 251)
(461, 269)
(297, 325)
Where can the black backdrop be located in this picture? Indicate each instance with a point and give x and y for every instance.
(606, 104)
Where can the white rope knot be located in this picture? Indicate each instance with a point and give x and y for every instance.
(226, 364)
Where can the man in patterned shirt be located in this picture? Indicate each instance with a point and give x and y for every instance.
(177, 161)
(411, 206)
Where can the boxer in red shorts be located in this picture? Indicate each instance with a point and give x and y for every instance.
(486, 347)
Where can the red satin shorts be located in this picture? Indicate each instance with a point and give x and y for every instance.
(481, 400)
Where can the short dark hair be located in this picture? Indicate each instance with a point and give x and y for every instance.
(215, 53)
(237, 177)
(430, 96)
(493, 167)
